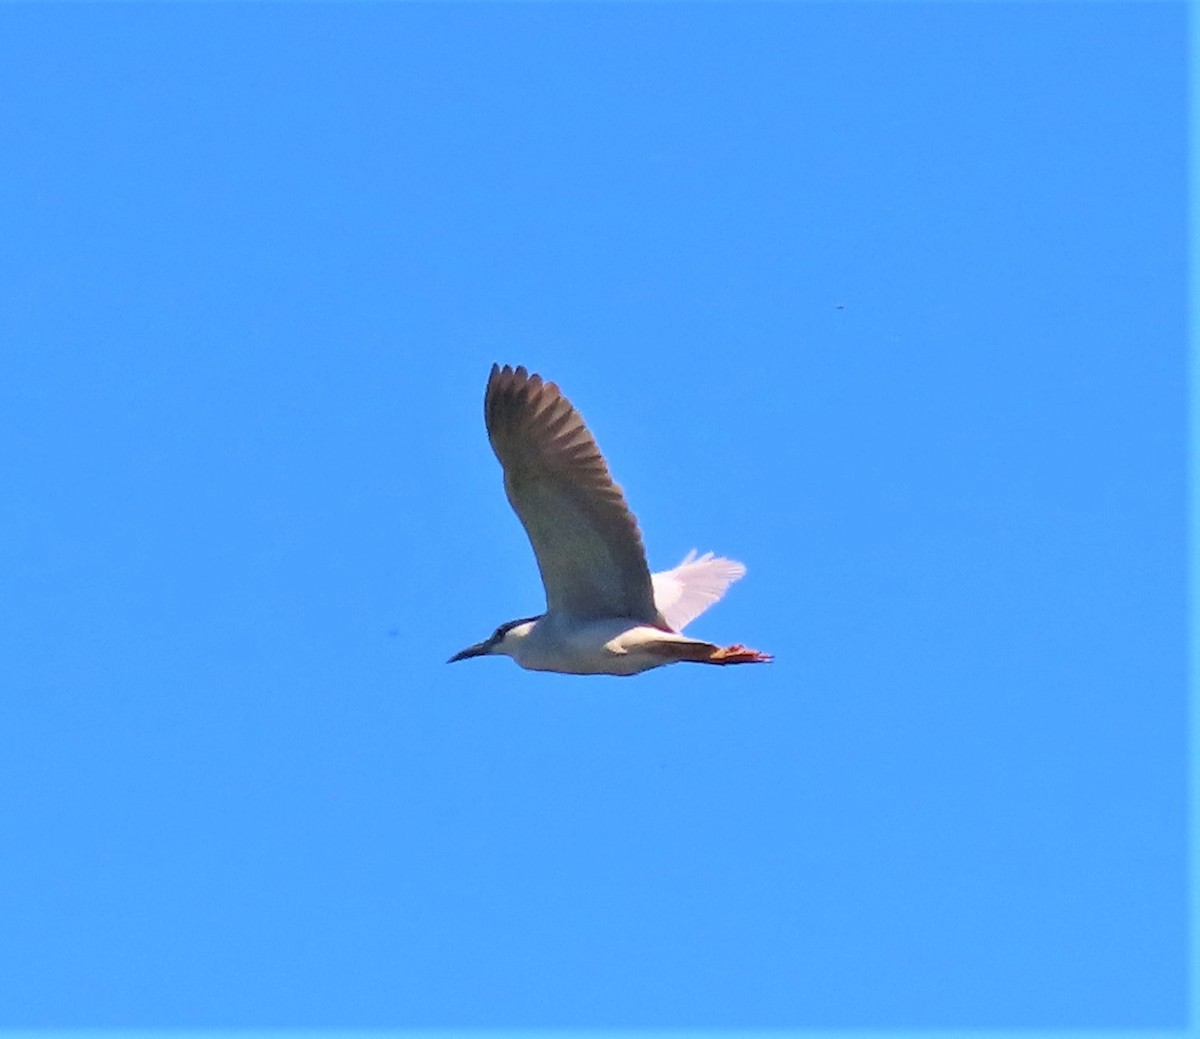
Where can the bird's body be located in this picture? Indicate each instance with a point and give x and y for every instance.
(608, 647)
(614, 646)
(606, 613)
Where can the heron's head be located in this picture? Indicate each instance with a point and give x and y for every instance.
(504, 640)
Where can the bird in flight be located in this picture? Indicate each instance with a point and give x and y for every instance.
(606, 614)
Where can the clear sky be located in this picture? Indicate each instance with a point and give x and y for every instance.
(885, 300)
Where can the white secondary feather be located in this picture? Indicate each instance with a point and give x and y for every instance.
(684, 593)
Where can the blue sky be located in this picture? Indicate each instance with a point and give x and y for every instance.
(886, 301)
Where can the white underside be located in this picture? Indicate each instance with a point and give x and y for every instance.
(605, 647)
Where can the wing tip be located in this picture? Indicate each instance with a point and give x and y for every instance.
(514, 394)
(734, 569)
(508, 381)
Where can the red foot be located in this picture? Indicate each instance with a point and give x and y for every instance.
(739, 654)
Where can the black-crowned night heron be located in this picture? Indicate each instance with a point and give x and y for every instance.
(606, 614)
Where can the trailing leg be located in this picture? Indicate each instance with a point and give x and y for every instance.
(738, 654)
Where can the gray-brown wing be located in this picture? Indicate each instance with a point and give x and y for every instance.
(586, 540)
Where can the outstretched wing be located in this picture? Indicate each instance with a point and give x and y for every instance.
(586, 540)
(684, 593)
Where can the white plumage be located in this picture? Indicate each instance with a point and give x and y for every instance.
(684, 593)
